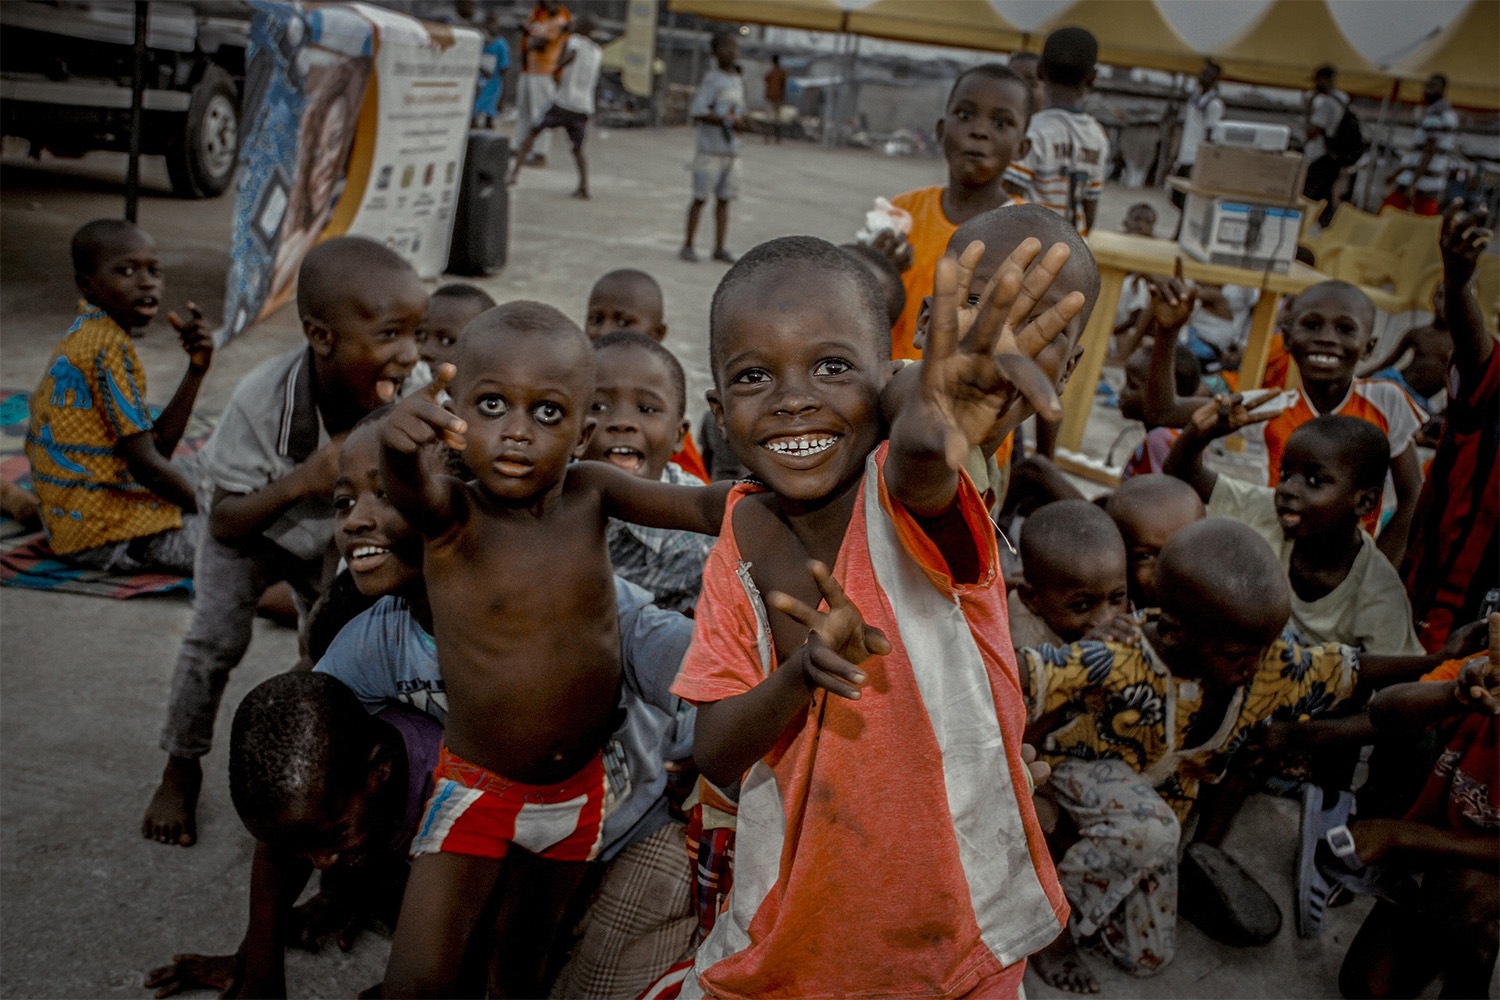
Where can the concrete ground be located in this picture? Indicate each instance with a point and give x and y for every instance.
(89, 906)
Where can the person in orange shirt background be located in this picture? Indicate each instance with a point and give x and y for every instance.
(545, 31)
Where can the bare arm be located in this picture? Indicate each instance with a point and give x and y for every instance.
(426, 498)
(240, 515)
(199, 347)
(1171, 306)
(1464, 238)
(732, 734)
(276, 879)
(652, 502)
(152, 470)
(1214, 419)
(1406, 470)
(1390, 358)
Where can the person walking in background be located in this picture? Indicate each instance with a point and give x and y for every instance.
(1324, 112)
(541, 50)
(1423, 178)
(493, 63)
(716, 110)
(578, 76)
(1204, 111)
(775, 96)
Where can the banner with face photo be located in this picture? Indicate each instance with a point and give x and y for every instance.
(305, 80)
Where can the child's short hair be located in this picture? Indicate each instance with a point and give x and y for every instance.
(1151, 492)
(1219, 563)
(1140, 205)
(807, 252)
(1367, 305)
(336, 268)
(1327, 71)
(91, 237)
(639, 341)
(1361, 446)
(1065, 530)
(995, 71)
(886, 274)
(1026, 220)
(1069, 55)
(464, 290)
(526, 316)
(299, 744)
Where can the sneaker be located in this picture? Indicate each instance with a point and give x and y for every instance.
(1223, 900)
(688, 254)
(1314, 889)
(725, 256)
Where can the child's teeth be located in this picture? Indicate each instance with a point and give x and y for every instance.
(367, 550)
(807, 444)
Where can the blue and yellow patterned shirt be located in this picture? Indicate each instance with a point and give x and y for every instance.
(1124, 695)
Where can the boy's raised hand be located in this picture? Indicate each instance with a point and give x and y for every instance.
(1464, 237)
(1478, 684)
(420, 420)
(1172, 299)
(896, 247)
(1225, 414)
(197, 343)
(838, 639)
(970, 378)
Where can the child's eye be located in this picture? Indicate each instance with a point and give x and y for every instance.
(648, 409)
(963, 114)
(752, 376)
(832, 366)
(421, 336)
(154, 270)
(344, 503)
(390, 333)
(447, 341)
(490, 406)
(125, 270)
(547, 413)
(597, 407)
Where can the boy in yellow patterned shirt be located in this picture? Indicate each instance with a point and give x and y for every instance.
(108, 494)
(1215, 661)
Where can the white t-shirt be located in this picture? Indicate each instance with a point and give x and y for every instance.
(575, 91)
(1226, 333)
(1068, 150)
(1326, 112)
(1203, 112)
(1439, 122)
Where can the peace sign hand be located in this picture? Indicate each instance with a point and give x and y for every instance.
(838, 639)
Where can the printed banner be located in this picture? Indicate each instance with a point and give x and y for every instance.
(640, 48)
(355, 123)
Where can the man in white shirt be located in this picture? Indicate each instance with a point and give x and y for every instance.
(1204, 110)
(578, 77)
(1324, 112)
(1423, 179)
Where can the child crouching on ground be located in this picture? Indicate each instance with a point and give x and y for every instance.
(852, 740)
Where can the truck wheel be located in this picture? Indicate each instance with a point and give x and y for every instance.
(201, 160)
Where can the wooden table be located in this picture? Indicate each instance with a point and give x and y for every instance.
(1117, 255)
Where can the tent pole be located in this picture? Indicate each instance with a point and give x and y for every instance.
(137, 92)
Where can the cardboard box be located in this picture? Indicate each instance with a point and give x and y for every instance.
(1249, 173)
(1236, 232)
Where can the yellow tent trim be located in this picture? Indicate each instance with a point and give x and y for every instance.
(814, 15)
(1464, 52)
(970, 24)
(1131, 33)
(1289, 40)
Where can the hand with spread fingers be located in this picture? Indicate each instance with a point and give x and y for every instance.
(973, 375)
(224, 973)
(838, 639)
(1225, 414)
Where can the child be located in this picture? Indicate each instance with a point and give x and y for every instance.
(517, 574)
(1214, 662)
(1332, 474)
(1453, 560)
(852, 740)
(982, 130)
(448, 311)
(625, 299)
(573, 104)
(639, 400)
(1419, 360)
(1162, 380)
(628, 299)
(1149, 510)
(1075, 586)
(716, 110)
(1068, 157)
(1329, 333)
(270, 465)
(108, 493)
(1140, 220)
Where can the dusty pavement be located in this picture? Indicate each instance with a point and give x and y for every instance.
(88, 905)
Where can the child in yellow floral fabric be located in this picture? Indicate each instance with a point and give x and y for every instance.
(1216, 662)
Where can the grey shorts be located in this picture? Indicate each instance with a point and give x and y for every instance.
(716, 175)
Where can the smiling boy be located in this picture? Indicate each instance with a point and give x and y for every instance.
(1328, 335)
(269, 468)
(108, 493)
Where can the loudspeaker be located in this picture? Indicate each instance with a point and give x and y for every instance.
(481, 222)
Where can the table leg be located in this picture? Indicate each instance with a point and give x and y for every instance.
(1262, 324)
(1078, 397)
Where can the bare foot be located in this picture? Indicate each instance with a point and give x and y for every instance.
(172, 816)
(1061, 967)
(581, 193)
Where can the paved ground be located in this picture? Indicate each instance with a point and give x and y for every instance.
(88, 905)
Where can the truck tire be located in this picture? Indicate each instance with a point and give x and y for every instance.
(201, 159)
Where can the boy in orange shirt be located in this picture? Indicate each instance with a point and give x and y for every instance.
(982, 129)
(899, 740)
